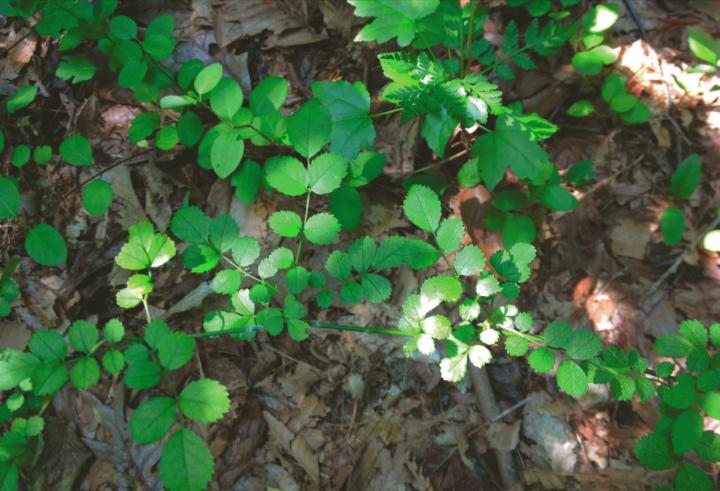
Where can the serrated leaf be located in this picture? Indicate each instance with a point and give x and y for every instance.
(286, 223)
(686, 431)
(186, 463)
(511, 144)
(572, 379)
(204, 401)
(349, 107)
(653, 451)
(469, 261)
(326, 173)
(450, 234)
(245, 251)
(347, 206)
(85, 373)
(376, 288)
(82, 336)
(322, 229)
(48, 345)
(190, 224)
(542, 360)
(338, 265)
(393, 18)
(286, 175)
(672, 345)
(152, 420)
(422, 207)
(175, 349)
(584, 344)
(309, 128)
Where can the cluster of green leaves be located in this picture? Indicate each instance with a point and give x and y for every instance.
(9, 291)
(685, 180)
(595, 55)
(688, 393)
(614, 92)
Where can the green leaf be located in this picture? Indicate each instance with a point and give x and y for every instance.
(145, 248)
(227, 282)
(365, 168)
(349, 108)
(422, 207)
(558, 334)
(715, 334)
(132, 73)
(623, 103)
(152, 420)
(246, 251)
(175, 349)
(338, 265)
(123, 27)
(572, 379)
(686, 177)
(514, 264)
(223, 233)
(167, 138)
(601, 17)
(20, 156)
(286, 175)
(204, 401)
(76, 150)
(225, 154)
(691, 478)
(695, 333)
(142, 374)
(322, 229)
(581, 108)
(85, 373)
(46, 246)
(518, 228)
(347, 206)
(584, 344)
(587, 62)
(711, 404)
(580, 173)
(226, 98)
(143, 126)
(208, 78)
(42, 154)
(516, 346)
(97, 197)
(189, 129)
(186, 463)
(437, 129)
(542, 360)
(363, 254)
(16, 366)
(190, 224)
(686, 431)
(438, 289)
(158, 46)
(246, 181)
(286, 223)
(672, 346)
(268, 95)
(510, 144)
(48, 345)
(75, 69)
(708, 448)
(113, 361)
(376, 288)
(393, 18)
(309, 128)
(653, 451)
(450, 235)
(297, 280)
(83, 335)
(326, 173)
(22, 98)
(9, 198)
(702, 45)
(557, 198)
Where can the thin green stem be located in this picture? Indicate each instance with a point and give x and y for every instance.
(305, 217)
(386, 113)
(242, 271)
(368, 330)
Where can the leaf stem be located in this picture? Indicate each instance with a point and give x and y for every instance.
(386, 113)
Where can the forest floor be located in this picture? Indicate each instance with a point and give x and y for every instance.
(348, 410)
